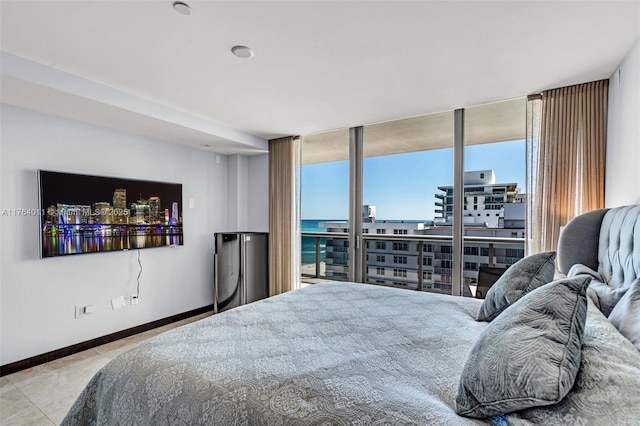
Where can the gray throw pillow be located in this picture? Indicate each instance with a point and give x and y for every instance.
(530, 355)
(523, 276)
(625, 316)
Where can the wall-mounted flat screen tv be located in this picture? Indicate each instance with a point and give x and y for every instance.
(94, 214)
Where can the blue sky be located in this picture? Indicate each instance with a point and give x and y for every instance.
(403, 186)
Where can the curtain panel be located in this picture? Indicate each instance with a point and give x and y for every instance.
(284, 215)
(566, 143)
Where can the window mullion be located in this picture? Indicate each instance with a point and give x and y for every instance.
(458, 203)
(356, 251)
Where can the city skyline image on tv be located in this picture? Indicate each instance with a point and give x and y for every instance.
(88, 214)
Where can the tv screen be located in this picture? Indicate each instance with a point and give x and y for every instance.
(90, 214)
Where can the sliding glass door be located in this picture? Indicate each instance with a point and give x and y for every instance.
(494, 202)
(325, 205)
(404, 163)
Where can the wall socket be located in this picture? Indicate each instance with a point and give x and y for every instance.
(83, 310)
(134, 299)
(79, 312)
(118, 303)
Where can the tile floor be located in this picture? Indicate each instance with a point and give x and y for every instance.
(42, 395)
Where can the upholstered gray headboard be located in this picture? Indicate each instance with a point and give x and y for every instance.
(579, 240)
(619, 249)
(607, 241)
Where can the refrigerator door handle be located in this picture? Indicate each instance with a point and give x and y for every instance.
(243, 271)
(215, 287)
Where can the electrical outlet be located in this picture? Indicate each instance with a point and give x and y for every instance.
(79, 312)
(134, 299)
(118, 303)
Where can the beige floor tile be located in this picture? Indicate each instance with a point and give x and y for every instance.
(113, 349)
(42, 395)
(16, 409)
(58, 416)
(6, 385)
(187, 321)
(73, 359)
(28, 374)
(56, 390)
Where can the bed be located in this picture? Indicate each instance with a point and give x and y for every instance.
(340, 353)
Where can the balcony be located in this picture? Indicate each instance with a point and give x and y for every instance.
(443, 256)
(337, 249)
(507, 260)
(335, 264)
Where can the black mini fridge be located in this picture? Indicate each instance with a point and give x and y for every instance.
(241, 269)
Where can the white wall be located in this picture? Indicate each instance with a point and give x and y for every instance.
(622, 182)
(37, 296)
(248, 193)
(237, 193)
(258, 193)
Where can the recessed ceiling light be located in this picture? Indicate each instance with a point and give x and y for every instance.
(182, 8)
(242, 51)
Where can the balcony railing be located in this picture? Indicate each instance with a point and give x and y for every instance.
(445, 256)
(330, 260)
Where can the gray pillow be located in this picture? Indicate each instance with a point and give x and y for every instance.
(530, 355)
(625, 316)
(523, 276)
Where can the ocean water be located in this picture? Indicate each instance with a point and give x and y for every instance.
(311, 225)
(309, 244)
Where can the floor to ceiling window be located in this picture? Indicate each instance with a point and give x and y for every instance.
(494, 202)
(411, 231)
(404, 162)
(325, 204)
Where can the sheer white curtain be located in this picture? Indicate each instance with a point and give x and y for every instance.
(284, 215)
(566, 143)
(534, 207)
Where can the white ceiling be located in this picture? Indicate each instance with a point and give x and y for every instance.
(319, 65)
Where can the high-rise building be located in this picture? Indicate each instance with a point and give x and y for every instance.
(483, 199)
(175, 215)
(120, 198)
(102, 213)
(368, 213)
(396, 262)
(154, 210)
(140, 211)
(120, 210)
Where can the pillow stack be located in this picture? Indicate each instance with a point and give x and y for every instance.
(530, 353)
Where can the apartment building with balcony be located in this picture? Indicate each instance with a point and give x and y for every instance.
(401, 258)
(483, 199)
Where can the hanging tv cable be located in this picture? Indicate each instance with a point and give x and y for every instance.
(137, 295)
